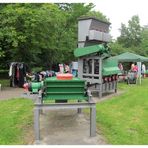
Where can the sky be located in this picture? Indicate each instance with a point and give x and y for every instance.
(121, 11)
(118, 11)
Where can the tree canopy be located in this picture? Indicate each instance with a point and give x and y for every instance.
(133, 38)
(131, 35)
(44, 34)
(40, 34)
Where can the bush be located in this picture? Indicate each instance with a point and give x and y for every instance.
(4, 74)
(37, 69)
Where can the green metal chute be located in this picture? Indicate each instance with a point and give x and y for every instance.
(64, 89)
(110, 67)
(84, 51)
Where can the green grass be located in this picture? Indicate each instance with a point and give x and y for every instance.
(16, 118)
(124, 119)
(5, 82)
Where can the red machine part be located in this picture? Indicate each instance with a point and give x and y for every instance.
(26, 86)
(110, 78)
(66, 76)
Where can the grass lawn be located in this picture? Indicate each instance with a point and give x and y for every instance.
(5, 82)
(124, 119)
(16, 121)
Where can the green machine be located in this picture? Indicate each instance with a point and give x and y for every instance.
(54, 89)
(64, 89)
(72, 90)
(93, 53)
(34, 87)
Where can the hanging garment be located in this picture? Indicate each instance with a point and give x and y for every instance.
(14, 80)
(17, 73)
(10, 70)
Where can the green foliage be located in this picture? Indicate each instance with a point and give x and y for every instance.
(97, 14)
(131, 35)
(29, 29)
(133, 38)
(123, 119)
(1, 53)
(37, 69)
(16, 119)
(5, 82)
(144, 41)
(40, 34)
(116, 48)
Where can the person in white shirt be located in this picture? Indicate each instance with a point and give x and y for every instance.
(143, 69)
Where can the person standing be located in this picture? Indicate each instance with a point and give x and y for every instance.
(67, 69)
(143, 70)
(135, 68)
(120, 67)
(132, 67)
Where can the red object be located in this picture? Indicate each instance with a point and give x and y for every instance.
(110, 79)
(116, 78)
(25, 86)
(105, 79)
(66, 76)
(135, 68)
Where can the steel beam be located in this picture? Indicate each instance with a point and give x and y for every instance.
(37, 124)
(93, 121)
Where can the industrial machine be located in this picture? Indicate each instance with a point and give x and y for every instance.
(61, 89)
(55, 89)
(94, 68)
(73, 89)
(94, 64)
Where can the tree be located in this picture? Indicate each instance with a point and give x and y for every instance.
(40, 34)
(98, 14)
(27, 30)
(116, 48)
(144, 41)
(131, 35)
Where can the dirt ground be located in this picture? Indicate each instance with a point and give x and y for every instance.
(62, 127)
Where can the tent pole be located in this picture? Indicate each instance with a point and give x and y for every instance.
(139, 71)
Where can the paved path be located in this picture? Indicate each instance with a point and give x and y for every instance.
(9, 93)
(67, 127)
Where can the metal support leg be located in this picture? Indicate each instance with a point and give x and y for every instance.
(115, 86)
(100, 91)
(37, 125)
(79, 109)
(100, 94)
(93, 121)
(41, 110)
